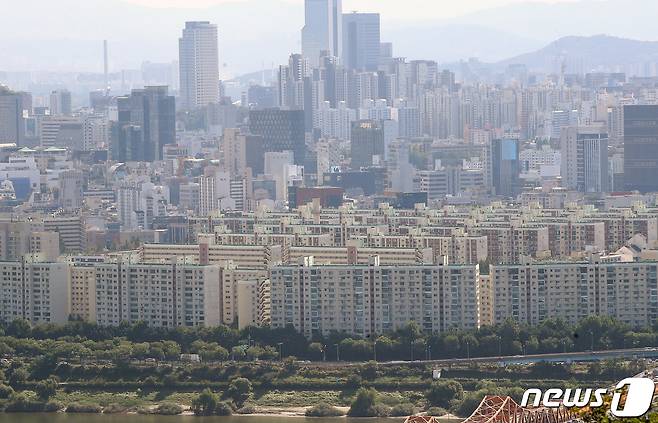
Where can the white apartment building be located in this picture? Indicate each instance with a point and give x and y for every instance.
(161, 295)
(533, 292)
(365, 300)
(37, 292)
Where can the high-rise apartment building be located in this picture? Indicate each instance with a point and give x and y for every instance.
(199, 65)
(372, 299)
(361, 41)
(161, 295)
(323, 31)
(531, 293)
(37, 292)
(584, 158)
(641, 148)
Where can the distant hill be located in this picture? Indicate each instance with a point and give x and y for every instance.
(588, 53)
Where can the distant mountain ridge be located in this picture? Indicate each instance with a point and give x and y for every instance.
(591, 52)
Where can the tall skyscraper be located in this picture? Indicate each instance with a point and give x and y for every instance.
(504, 167)
(641, 148)
(147, 122)
(323, 30)
(282, 130)
(584, 158)
(12, 123)
(199, 65)
(361, 41)
(367, 143)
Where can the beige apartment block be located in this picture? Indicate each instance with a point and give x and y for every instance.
(533, 292)
(161, 295)
(37, 292)
(365, 300)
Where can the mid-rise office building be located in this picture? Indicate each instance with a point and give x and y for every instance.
(12, 122)
(282, 130)
(584, 158)
(147, 122)
(503, 166)
(641, 147)
(367, 144)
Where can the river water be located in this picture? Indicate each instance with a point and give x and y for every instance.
(120, 418)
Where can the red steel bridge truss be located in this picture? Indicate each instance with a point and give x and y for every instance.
(499, 409)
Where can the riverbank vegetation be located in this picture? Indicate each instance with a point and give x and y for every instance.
(84, 368)
(86, 341)
(261, 387)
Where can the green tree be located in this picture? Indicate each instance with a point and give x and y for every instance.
(239, 390)
(46, 389)
(364, 403)
(442, 392)
(205, 404)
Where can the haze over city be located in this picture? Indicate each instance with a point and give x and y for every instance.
(257, 33)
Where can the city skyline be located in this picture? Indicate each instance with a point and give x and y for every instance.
(510, 24)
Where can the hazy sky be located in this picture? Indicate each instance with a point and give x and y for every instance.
(66, 35)
(393, 9)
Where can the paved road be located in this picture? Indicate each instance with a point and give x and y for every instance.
(526, 359)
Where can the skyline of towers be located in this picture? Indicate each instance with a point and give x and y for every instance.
(199, 65)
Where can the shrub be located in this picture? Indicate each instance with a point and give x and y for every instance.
(6, 391)
(46, 389)
(364, 403)
(77, 407)
(168, 409)
(20, 403)
(354, 381)
(142, 409)
(206, 403)
(381, 410)
(223, 409)
(470, 403)
(52, 407)
(441, 393)
(247, 409)
(436, 411)
(114, 409)
(323, 410)
(402, 410)
(239, 390)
